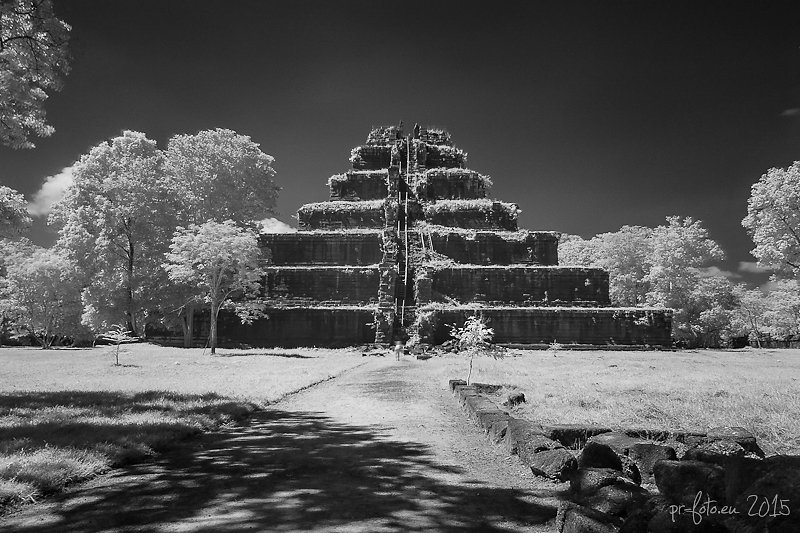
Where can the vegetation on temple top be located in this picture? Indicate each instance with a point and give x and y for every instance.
(482, 205)
(343, 206)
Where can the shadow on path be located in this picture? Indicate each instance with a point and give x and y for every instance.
(288, 471)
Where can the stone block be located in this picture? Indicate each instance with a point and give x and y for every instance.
(558, 464)
(740, 435)
(497, 431)
(587, 480)
(596, 455)
(630, 469)
(487, 388)
(519, 431)
(681, 481)
(618, 441)
(453, 382)
(477, 402)
(574, 518)
(486, 419)
(619, 498)
(647, 454)
(740, 473)
(573, 435)
(463, 392)
(772, 502)
(534, 444)
(716, 452)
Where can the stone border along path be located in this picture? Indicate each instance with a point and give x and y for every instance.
(724, 468)
(380, 448)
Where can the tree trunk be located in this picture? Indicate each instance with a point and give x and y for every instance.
(129, 311)
(188, 325)
(214, 313)
(469, 375)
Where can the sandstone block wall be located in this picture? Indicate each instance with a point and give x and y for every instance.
(521, 285)
(463, 184)
(497, 248)
(322, 284)
(307, 326)
(333, 248)
(341, 215)
(472, 214)
(353, 185)
(371, 157)
(531, 325)
(443, 156)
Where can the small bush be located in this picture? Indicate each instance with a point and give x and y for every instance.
(474, 338)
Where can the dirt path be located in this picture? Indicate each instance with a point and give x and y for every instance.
(381, 448)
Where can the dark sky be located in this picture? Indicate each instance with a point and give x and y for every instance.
(589, 115)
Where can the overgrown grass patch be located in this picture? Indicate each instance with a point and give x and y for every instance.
(51, 439)
(69, 415)
(689, 390)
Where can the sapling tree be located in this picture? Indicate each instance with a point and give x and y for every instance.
(474, 338)
(219, 261)
(118, 335)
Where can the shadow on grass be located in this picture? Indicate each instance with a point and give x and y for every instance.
(51, 439)
(289, 471)
(267, 354)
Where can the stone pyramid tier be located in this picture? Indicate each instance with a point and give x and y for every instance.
(409, 243)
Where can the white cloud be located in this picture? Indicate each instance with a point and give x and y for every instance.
(751, 267)
(51, 191)
(716, 271)
(273, 225)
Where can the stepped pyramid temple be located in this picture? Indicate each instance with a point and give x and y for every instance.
(408, 244)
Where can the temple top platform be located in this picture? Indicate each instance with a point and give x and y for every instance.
(425, 171)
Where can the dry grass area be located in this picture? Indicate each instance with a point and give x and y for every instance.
(686, 390)
(67, 415)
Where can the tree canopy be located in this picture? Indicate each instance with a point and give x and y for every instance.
(44, 290)
(220, 175)
(662, 266)
(115, 223)
(33, 60)
(14, 217)
(218, 260)
(773, 219)
(118, 218)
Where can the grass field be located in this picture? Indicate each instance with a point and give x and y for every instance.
(686, 390)
(68, 415)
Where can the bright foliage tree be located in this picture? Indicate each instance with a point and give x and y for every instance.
(220, 175)
(45, 292)
(773, 219)
(216, 175)
(33, 60)
(219, 261)
(115, 223)
(14, 217)
(663, 267)
(626, 254)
